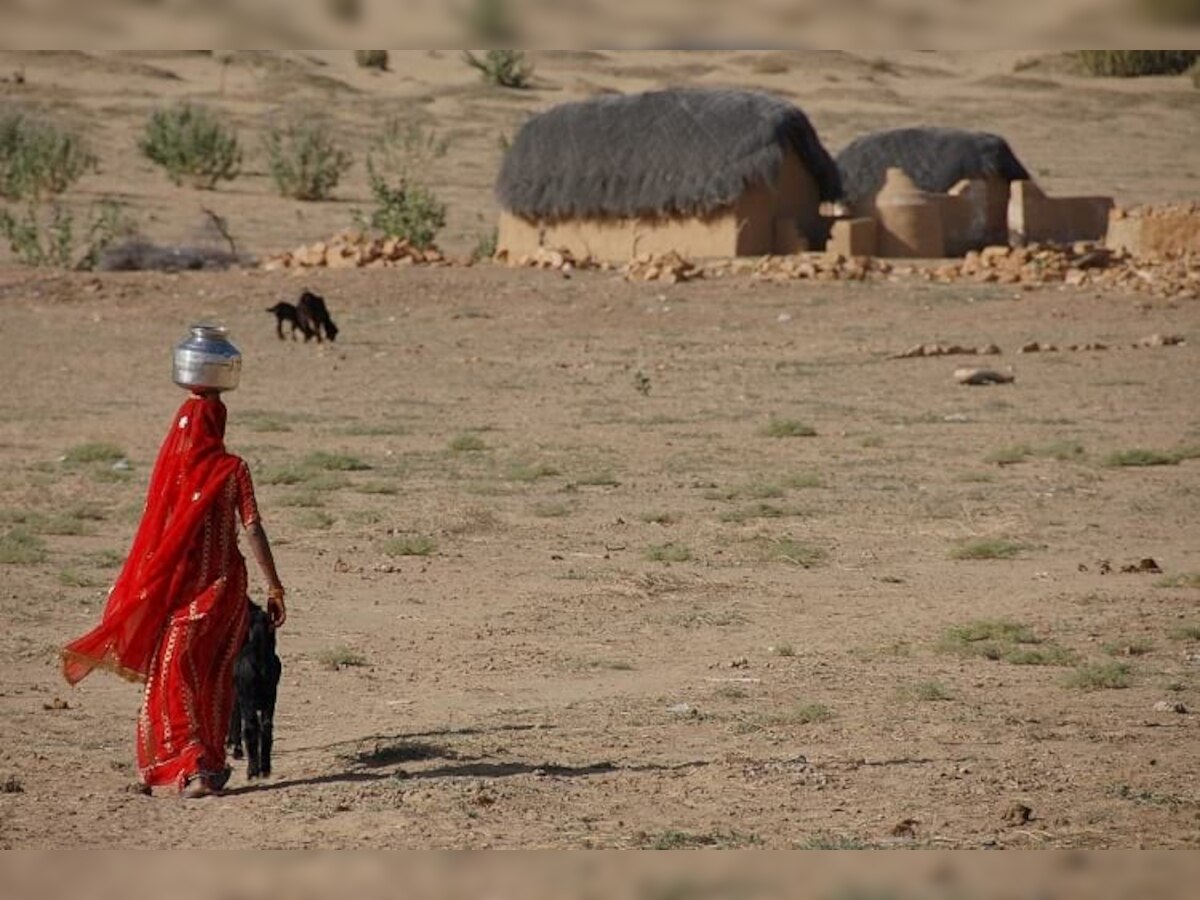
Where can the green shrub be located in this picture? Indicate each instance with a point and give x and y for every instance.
(410, 545)
(372, 59)
(485, 246)
(503, 68)
(304, 160)
(405, 210)
(18, 548)
(46, 236)
(192, 145)
(1133, 63)
(39, 158)
(1099, 676)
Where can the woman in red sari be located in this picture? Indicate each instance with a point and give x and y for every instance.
(177, 614)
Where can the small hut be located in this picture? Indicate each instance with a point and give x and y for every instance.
(704, 173)
(939, 161)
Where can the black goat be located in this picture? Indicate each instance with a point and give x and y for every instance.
(286, 312)
(314, 317)
(256, 681)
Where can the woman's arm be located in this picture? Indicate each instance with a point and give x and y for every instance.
(266, 561)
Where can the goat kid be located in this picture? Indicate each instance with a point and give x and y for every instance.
(256, 682)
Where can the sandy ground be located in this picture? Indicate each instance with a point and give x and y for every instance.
(640, 619)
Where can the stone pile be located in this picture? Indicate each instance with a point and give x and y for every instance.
(356, 250)
(545, 258)
(804, 266)
(1082, 264)
(670, 268)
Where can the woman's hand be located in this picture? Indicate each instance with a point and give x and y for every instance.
(275, 606)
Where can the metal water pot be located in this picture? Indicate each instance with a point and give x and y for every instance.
(206, 360)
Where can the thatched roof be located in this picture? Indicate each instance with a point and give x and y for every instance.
(935, 158)
(679, 151)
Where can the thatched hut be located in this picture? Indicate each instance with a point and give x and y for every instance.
(939, 161)
(704, 173)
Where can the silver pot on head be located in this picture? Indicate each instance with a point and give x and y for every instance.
(206, 360)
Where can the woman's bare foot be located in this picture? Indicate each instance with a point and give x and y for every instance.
(195, 788)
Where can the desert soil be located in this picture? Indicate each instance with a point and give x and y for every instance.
(586, 590)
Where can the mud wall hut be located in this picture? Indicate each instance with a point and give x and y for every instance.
(704, 173)
(938, 161)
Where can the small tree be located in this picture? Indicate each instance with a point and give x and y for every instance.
(304, 160)
(405, 208)
(504, 68)
(39, 158)
(46, 236)
(192, 145)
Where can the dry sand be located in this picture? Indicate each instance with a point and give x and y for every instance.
(544, 677)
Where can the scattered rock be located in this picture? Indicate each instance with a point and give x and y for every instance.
(1172, 706)
(669, 267)
(136, 787)
(1017, 814)
(12, 785)
(1037, 347)
(920, 350)
(1145, 566)
(1161, 340)
(740, 663)
(683, 710)
(356, 250)
(340, 565)
(56, 704)
(983, 376)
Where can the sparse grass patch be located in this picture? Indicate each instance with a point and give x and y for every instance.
(283, 475)
(669, 552)
(801, 714)
(925, 691)
(706, 618)
(466, 442)
(989, 638)
(75, 578)
(377, 487)
(302, 499)
(326, 481)
(1097, 676)
(600, 478)
(315, 519)
(824, 841)
(551, 510)
(1186, 633)
(1045, 654)
(93, 452)
(1063, 451)
(105, 559)
(409, 545)
(531, 471)
(1133, 647)
(1140, 457)
(340, 657)
(803, 480)
(18, 547)
(367, 429)
(1182, 580)
(782, 649)
(871, 441)
(785, 428)
(335, 462)
(731, 692)
(987, 548)
(785, 549)
(364, 517)
(754, 511)
(683, 840)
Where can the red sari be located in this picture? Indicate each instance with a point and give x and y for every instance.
(177, 614)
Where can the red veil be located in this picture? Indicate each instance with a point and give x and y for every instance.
(189, 476)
